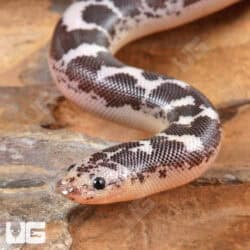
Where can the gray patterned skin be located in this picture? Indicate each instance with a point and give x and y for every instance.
(86, 72)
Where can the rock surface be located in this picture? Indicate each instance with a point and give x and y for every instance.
(41, 133)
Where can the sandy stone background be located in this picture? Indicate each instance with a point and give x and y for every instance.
(41, 133)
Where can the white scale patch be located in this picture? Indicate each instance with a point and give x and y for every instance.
(138, 119)
(84, 49)
(207, 111)
(187, 100)
(72, 17)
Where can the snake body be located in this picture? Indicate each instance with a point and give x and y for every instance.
(186, 125)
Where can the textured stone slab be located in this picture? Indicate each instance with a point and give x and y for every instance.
(212, 217)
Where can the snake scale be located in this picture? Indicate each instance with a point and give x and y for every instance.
(186, 126)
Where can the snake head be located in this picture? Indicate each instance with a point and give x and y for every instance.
(91, 184)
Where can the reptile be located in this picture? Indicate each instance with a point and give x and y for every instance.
(186, 126)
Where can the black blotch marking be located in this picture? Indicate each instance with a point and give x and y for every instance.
(124, 91)
(125, 157)
(206, 129)
(63, 40)
(202, 127)
(166, 93)
(118, 90)
(162, 173)
(170, 153)
(100, 159)
(151, 15)
(102, 16)
(97, 156)
(128, 7)
(110, 165)
(150, 75)
(156, 4)
(85, 168)
(132, 160)
(83, 69)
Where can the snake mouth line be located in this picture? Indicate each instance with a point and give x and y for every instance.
(64, 188)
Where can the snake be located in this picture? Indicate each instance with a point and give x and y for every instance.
(185, 125)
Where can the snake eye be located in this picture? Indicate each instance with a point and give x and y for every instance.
(99, 183)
